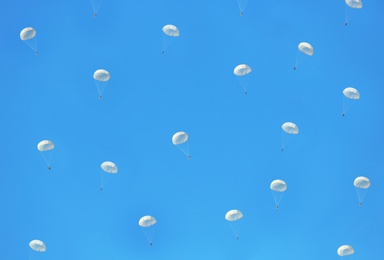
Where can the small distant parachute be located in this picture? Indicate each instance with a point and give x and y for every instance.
(28, 35)
(345, 250)
(289, 129)
(101, 77)
(350, 95)
(37, 245)
(357, 4)
(278, 187)
(147, 223)
(354, 4)
(111, 169)
(242, 4)
(233, 216)
(180, 139)
(170, 33)
(305, 48)
(96, 6)
(361, 184)
(242, 71)
(46, 149)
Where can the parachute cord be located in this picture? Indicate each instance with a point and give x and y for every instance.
(297, 60)
(346, 16)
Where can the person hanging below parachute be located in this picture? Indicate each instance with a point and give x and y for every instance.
(306, 48)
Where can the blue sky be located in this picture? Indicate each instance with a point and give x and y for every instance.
(234, 139)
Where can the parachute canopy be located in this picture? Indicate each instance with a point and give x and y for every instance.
(362, 182)
(45, 145)
(109, 167)
(171, 30)
(351, 93)
(37, 245)
(233, 215)
(179, 138)
(345, 250)
(101, 75)
(242, 70)
(278, 185)
(147, 221)
(290, 128)
(354, 3)
(27, 33)
(306, 48)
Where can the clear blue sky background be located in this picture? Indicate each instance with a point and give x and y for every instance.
(234, 139)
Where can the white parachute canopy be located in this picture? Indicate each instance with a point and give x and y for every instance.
(109, 167)
(45, 145)
(306, 48)
(170, 32)
(101, 77)
(242, 70)
(361, 184)
(289, 129)
(180, 140)
(243, 73)
(357, 4)
(351, 93)
(147, 223)
(28, 35)
(350, 96)
(46, 150)
(278, 187)
(345, 250)
(233, 216)
(38, 245)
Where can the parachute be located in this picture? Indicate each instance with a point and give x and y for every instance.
(180, 140)
(345, 250)
(242, 72)
(37, 245)
(305, 48)
(28, 35)
(361, 185)
(109, 168)
(101, 77)
(147, 223)
(289, 129)
(357, 4)
(350, 95)
(354, 4)
(170, 32)
(96, 6)
(232, 217)
(278, 187)
(242, 4)
(46, 150)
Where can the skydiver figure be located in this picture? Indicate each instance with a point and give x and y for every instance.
(294, 68)
(241, 13)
